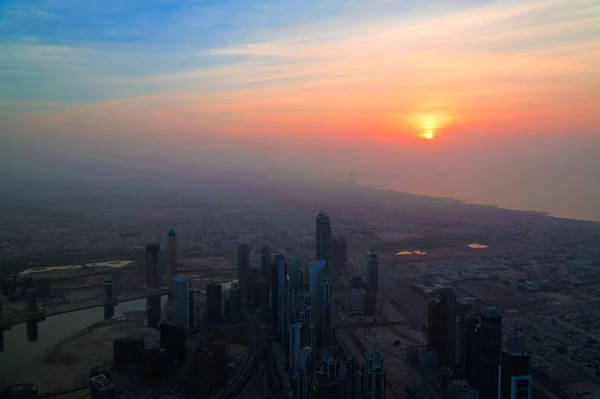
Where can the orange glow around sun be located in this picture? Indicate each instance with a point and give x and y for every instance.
(429, 125)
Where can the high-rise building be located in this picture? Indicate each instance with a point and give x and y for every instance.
(327, 333)
(515, 375)
(172, 338)
(294, 272)
(31, 299)
(372, 272)
(171, 257)
(243, 267)
(469, 349)
(295, 345)
(351, 374)
(214, 302)
(235, 303)
(219, 348)
(108, 288)
(278, 284)
(265, 263)
(448, 304)
(260, 293)
(181, 301)
(490, 349)
(374, 376)
(191, 306)
(323, 237)
(339, 254)
(152, 272)
(316, 274)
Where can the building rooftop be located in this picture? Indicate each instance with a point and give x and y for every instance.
(491, 312)
(171, 233)
(102, 383)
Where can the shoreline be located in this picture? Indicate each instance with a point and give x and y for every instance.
(94, 303)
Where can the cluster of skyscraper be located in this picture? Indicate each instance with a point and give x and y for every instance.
(493, 372)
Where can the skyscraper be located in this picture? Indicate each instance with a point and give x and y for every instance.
(448, 304)
(515, 376)
(243, 264)
(490, 349)
(278, 284)
(171, 257)
(235, 303)
(323, 237)
(327, 333)
(152, 274)
(214, 302)
(315, 275)
(265, 263)
(294, 272)
(339, 254)
(372, 272)
(181, 300)
(374, 376)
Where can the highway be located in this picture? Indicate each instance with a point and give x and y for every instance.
(250, 363)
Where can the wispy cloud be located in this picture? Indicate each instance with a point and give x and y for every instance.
(289, 65)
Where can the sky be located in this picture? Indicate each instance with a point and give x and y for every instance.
(360, 83)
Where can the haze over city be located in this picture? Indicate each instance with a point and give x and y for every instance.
(500, 97)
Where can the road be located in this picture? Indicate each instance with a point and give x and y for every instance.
(250, 363)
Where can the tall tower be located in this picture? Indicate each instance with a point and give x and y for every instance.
(214, 302)
(339, 254)
(448, 305)
(374, 376)
(326, 313)
(243, 264)
(181, 300)
(278, 283)
(372, 272)
(515, 376)
(323, 237)
(490, 349)
(171, 257)
(152, 266)
(265, 262)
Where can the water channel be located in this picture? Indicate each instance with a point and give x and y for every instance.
(24, 342)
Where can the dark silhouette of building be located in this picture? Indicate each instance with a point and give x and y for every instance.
(278, 284)
(323, 237)
(340, 254)
(171, 257)
(356, 282)
(156, 364)
(265, 263)
(353, 387)
(214, 302)
(515, 374)
(32, 330)
(470, 349)
(191, 307)
(20, 391)
(202, 373)
(448, 304)
(102, 388)
(260, 293)
(154, 310)
(243, 265)
(235, 303)
(152, 272)
(109, 311)
(219, 349)
(370, 303)
(172, 338)
(490, 349)
(128, 352)
(108, 289)
(372, 272)
(441, 327)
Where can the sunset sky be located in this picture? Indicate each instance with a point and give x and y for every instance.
(292, 71)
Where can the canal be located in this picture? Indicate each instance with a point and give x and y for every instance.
(25, 342)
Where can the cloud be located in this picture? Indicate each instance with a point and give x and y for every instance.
(361, 67)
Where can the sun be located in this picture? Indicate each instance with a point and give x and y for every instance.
(428, 134)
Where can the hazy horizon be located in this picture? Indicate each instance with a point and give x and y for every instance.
(488, 102)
